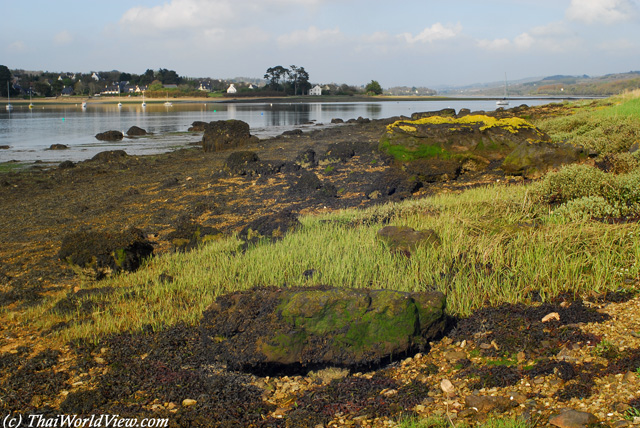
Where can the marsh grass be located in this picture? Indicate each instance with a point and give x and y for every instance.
(611, 126)
(442, 422)
(498, 246)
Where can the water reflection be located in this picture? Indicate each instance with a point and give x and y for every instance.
(30, 132)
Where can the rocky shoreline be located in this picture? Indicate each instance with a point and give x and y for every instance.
(501, 362)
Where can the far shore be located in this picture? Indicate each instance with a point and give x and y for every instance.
(289, 99)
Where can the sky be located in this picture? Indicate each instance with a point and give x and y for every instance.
(408, 43)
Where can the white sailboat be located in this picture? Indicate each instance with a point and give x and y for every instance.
(84, 104)
(168, 103)
(9, 106)
(119, 103)
(503, 102)
(143, 103)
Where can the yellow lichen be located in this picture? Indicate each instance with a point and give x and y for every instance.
(510, 124)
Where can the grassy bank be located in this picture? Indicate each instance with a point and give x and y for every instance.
(518, 243)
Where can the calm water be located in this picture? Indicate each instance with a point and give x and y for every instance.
(30, 133)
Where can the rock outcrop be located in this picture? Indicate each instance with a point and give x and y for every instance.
(439, 146)
(226, 134)
(99, 254)
(279, 329)
(110, 136)
(136, 131)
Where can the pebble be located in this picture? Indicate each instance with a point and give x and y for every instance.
(188, 402)
(570, 418)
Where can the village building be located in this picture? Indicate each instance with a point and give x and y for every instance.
(316, 90)
(232, 89)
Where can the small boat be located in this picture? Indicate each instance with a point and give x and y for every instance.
(143, 103)
(30, 103)
(9, 106)
(168, 103)
(503, 102)
(84, 104)
(119, 103)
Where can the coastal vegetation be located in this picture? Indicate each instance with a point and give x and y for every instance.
(500, 244)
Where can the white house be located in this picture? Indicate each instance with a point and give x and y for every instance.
(232, 89)
(95, 76)
(316, 90)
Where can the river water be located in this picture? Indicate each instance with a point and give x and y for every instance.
(30, 132)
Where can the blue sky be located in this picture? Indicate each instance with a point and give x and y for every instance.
(414, 43)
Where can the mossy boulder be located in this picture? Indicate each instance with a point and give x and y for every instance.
(534, 159)
(452, 137)
(271, 227)
(99, 254)
(279, 329)
(226, 134)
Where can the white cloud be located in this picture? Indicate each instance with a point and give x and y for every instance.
(310, 36)
(601, 11)
(17, 47)
(63, 38)
(436, 32)
(494, 45)
(178, 15)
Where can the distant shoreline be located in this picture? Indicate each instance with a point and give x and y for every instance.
(290, 99)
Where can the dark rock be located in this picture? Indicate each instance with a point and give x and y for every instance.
(292, 328)
(272, 227)
(570, 418)
(189, 235)
(432, 170)
(532, 160)
(487, 404)
(99, 254)
(110, 156)
(58, 147)
(463, 112)
(226, 134)
(307, 159)
(110, 136)
(248, 163)
(4, 147)
(363, 120)
(445, 112)
(136, 131)
(197, 126)
(67, 164)
(237, 162)
(339, 152)
(405, 239)
(309, 183)
(292, 133)
(82, 402)
(337, 120)
(393, 182)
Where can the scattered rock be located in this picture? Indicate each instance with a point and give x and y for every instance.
(4, 147)
(110, 156)
(447, 388)
(67, 164)
(307, 159)
(272, 227)
(553, 316)
(100, 254)
(197, 126)
(405, 239)
(226, 134)
(570, 418)
(188, 402)
(487, 404)
(533, 159)
(292, 133)
(110, 136)
(189, 235)
(271, 329)
(136, 131)
(58, 147)
(337, 120)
